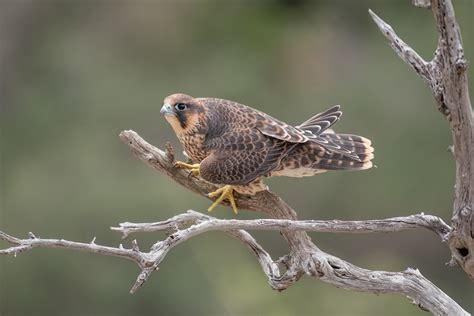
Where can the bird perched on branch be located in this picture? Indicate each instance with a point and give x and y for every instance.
(235, 146)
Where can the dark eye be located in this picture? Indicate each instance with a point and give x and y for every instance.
(181, 106)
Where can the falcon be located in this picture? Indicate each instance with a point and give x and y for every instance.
(234, 146)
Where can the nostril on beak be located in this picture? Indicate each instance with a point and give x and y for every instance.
(166, 109)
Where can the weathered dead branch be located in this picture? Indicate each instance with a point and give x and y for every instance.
(446, 76)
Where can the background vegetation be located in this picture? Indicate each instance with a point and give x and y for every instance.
(76, 73)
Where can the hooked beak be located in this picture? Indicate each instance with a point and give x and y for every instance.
(166, 109)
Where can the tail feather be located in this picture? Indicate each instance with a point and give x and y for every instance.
(357, 145)
(307, 159)
(343, 164)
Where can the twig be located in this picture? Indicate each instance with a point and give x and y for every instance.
(405, 52)
(30, 243)
(147, 261)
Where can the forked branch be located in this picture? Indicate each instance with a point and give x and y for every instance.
(318, 264)
(446, 76)
(305, 258)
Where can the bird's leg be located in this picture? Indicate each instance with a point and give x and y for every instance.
(194, 168)
(224, 192)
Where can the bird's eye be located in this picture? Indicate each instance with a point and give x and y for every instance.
(181, 106)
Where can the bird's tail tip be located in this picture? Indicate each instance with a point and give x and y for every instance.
(357, 146)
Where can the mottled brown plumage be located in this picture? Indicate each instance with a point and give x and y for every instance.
(238, 145)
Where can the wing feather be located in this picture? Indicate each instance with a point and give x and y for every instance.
(242, 163)
(322, 121)
(245, 143)
(272, 127)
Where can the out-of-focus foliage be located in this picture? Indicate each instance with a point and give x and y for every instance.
(76, 73)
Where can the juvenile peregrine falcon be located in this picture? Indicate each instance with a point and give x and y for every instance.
(234, 145)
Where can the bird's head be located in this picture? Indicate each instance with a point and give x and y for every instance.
(182, 112)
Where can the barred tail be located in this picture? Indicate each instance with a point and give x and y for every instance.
(358, 146)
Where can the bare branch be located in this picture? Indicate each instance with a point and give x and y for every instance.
(318, 264)
(452, 94)
(304, 258)
(395, 224)
(30, 243)
(446, 77)
(147, 261)
(405, 52)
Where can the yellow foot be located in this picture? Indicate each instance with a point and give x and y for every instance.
(224, 192)
(193, 168)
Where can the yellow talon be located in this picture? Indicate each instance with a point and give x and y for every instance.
(194, 168)
(224, 192)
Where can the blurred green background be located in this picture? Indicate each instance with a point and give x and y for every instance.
(76, 73)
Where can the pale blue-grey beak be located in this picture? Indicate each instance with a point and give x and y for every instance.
(166, 109)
